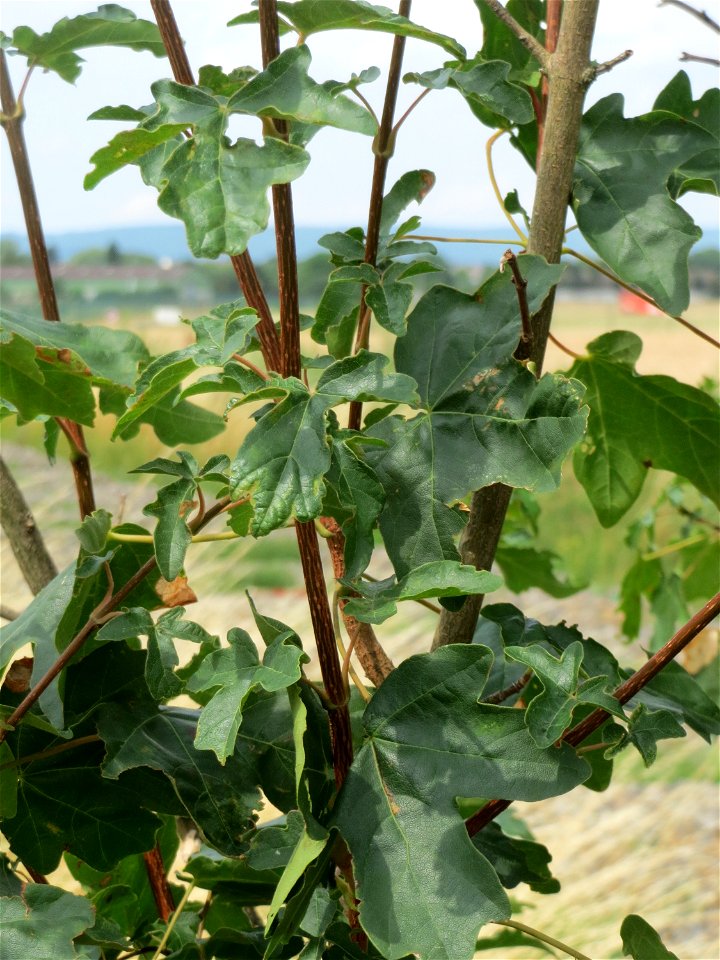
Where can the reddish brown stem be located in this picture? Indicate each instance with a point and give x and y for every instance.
(327, 650)
(284, 218)
(520, 284)
(383, 148)
(159, 883)
(306, 534)
(242, 263)
(106, 606)
(79, 459)
(375, 662)
(502, 695)
(626, 691)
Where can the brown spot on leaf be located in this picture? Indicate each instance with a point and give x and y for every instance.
(428, 179)
(175, 593)
(17, 679)
(647, 463)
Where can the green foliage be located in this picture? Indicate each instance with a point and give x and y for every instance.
(549, 713)
(641, 942)
(43, 921)
(110, 25)
(485, 86)
(673, 427)
(308, 17)
(155, 724)
(618, 202)
(402, 767)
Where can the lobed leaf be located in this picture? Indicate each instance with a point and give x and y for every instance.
(285, 91)
(172, 535)
(701, 172)
(428, 742)
(43, 921)
(645, 728)
(219, 799)
(637, 422)
(354, 498)
(126, 148)
(66, 804)
(308, 17)
(443, 578)
(485, 85)
(641, 941)
(230, 675)
(485, 419)
(109, 25)
(620, 195)
(549, 713)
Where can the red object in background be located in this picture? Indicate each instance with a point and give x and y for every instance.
(631, 303)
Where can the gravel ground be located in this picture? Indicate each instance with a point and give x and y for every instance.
(647, 846)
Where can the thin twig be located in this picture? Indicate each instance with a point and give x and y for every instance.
(284, 218)
(525, 38)
(383, 148)
(696, 58)
(422, 236)
(51, 751)
(608, 65)
(157, 877)
(638, 293)
(626, 691)
(561, 346)
(347, 666)
(173, 920)
(496, 189)
(375, 661)
(106, 606)
(12, 124)
(676, 547)
(544, 937)
(409, 110)
(697, 518)
(520, 284)
(307, 538)
(366, 103)
(693, 11)
(553, 14)
(502, 695)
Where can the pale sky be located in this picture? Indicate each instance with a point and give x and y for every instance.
(442, 135)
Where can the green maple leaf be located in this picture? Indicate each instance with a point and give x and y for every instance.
(429, 741)
(230, 675)
(620, 195)
(284, 458)
(484, 418)
(109, 25)
(549, 713)
(673, 426)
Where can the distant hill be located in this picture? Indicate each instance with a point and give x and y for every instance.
(169, 241)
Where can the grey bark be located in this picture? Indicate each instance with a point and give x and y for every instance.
(21, 530)
(569, 74)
